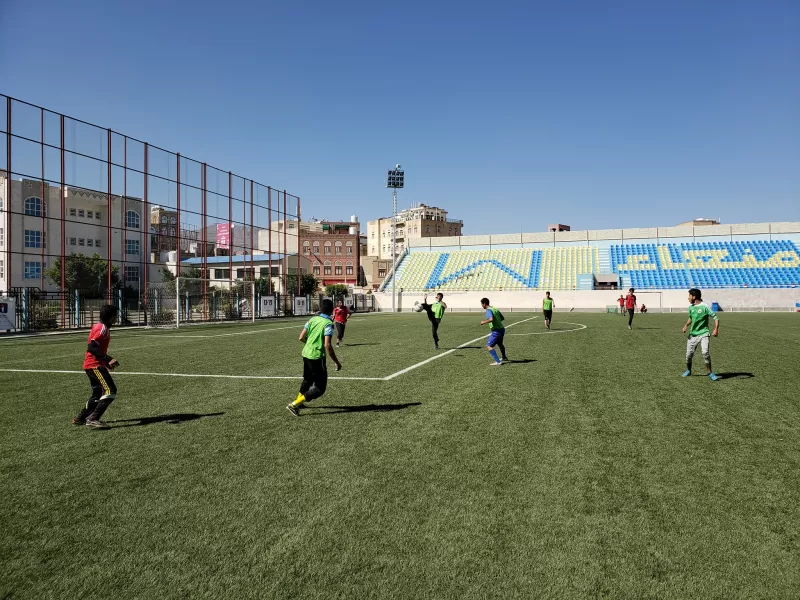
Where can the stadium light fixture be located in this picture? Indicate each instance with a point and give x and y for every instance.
(394, 180)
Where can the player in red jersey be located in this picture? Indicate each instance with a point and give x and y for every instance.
(630, 304)
(340, 315)
(97, 364)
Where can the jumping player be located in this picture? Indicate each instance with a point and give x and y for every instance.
(699, 314)
(547, 308)
(630, 305)
(435, 313)
(317, 335)
(97, 364)
(340, 315)
(494, 318)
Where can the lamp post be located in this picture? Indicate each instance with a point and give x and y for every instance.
(394, 180)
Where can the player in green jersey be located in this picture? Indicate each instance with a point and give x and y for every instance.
(699, 333)
(435, 313)
(316, 335)
(494, 319)
(547, 308)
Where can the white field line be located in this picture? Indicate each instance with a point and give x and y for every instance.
(131, 332)
(161, 338)
(199, 375)
(211, 376)
(438, 356)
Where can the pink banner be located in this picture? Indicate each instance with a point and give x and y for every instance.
(223, 235)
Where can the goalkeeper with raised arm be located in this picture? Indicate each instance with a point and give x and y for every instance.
(316, 335)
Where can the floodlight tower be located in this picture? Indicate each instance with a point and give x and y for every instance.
(394, 180)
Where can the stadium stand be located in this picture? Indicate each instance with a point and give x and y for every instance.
(727, 264)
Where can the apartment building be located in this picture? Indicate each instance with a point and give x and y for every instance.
(31, 217)
(419, 221)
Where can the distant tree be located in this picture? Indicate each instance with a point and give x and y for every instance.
(190, 280)
(263, 286)
(308, 284)
(89, 274)
(336, 290)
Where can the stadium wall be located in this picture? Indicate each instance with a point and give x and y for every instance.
(602, 238)
(756, 299)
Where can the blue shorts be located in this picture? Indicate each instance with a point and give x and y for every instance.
(494, 337)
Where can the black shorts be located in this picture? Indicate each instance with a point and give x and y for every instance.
(102, 384)
(548, 315)
(339, 330)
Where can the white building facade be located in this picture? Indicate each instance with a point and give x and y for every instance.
(36, 228)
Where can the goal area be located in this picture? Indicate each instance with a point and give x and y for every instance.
(184, 301)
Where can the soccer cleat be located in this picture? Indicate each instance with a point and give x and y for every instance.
(713, 376)
(495, 364)
(505, 359)
(686, 373)
(78, 422)
(337, 344)
(436, 346)
(295, 410)
(97, 425)
(629, 327)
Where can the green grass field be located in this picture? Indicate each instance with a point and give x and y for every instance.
(587, 468)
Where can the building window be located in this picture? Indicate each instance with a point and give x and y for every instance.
(35, 207)
(2, 237)
(264, 272)
(132, 246)
(316, 269)
(90, 214)
(35, 239)
(1, 204)
(2, 269)
(90, 242)
(131, 273)
(81, 242)
(81, 213)
(132, 219)
(97, 243)
(338, 269)
(306, 248)
(97, 215)
(222, 273)
(327, 269)
(72, 212)
(33, 270)
(427, 228)
(73, 241)
(173, 220)
(349, 248)
(349, 269)
(163, 220)
(381, 272)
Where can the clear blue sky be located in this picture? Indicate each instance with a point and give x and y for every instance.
(511, 115)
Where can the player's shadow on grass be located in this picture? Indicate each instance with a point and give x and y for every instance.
(173, 419)
(735, 375)
(352, 345)
(332, 410)
(521, 361)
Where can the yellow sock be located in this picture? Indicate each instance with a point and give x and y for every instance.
(299, 400)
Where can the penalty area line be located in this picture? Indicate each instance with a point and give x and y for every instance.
(198, 375)
(438, 356)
